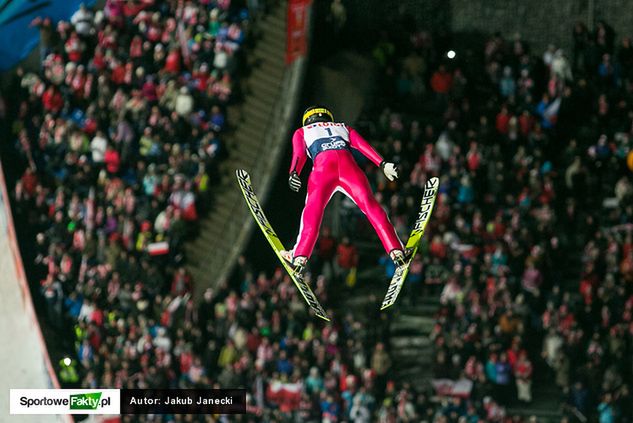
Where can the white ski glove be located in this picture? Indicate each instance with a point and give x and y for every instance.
(390, 170)
(294, 182)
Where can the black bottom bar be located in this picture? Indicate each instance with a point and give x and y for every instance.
(183, 401)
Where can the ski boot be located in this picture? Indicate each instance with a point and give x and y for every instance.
(400, 257)
(298, 264)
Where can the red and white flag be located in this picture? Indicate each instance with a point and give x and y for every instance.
(286, 395)
(158, 248)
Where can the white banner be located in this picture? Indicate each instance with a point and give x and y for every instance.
(456, 388)
(64, 401)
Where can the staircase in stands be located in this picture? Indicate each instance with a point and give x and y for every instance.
(210, 249)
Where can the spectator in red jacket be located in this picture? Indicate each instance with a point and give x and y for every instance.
(52, 100)
(346, 257)
(503, 120)
(74, 48)
(118, 72)
(172, 63)
(29, 181)
(181, 283)
(526, 123)
(112, 160)
(326, 251)
(441, 81)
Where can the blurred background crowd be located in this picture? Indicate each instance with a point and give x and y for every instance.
(530, 242)
(530, 247)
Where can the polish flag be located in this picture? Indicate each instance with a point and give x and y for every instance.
(286, 395)
(158, 248)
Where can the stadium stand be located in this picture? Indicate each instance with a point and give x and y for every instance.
(532, 153)
(120, 146)
(121, 136)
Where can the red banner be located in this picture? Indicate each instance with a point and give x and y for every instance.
(297, 27)
(286, 395)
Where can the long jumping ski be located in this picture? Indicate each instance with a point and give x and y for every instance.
(426, 208)
(308, 295)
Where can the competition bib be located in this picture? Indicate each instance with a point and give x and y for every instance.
(323, 136)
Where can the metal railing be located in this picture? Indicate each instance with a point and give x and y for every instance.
(240, 224)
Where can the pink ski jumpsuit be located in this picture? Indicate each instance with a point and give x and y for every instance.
(334, 169)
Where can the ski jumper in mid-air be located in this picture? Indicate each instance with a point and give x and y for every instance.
(329, 145)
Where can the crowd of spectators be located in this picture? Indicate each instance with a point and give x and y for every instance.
(530, 240)
(530, 245)
(119, 137)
